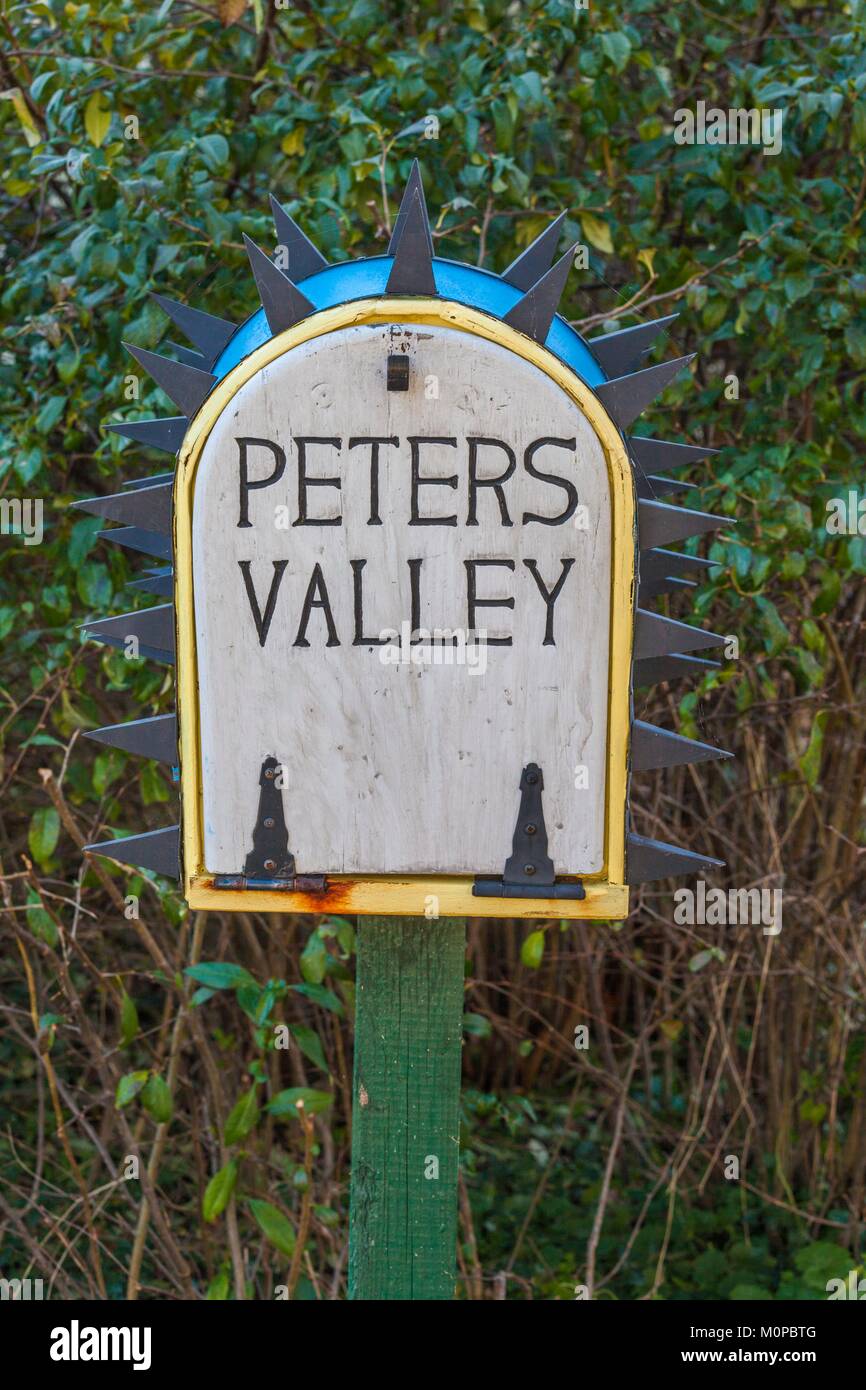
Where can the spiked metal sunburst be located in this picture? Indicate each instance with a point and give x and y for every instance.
(298, 284)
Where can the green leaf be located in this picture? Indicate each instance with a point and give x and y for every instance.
(532, 949)
(128, 1020)
(797, 286)
(274, 1225)
(156, 1099)
(154, 787)
(616, 46)
(215, 150)
(810, 763)
(220, 975)
(320, 994)
(40, 922)
(243, 1117)
(43, 834)
(828, 594)
(93, 585)
(596, 232)
(314, 959)
(219, 1190)
(812, 1112)
(528, 87)
(97, 119)
(218, 1288)
(477, 1026)
(82, 539)
(777, 635)
(129, 1086)
(257, 1003)
(285, 1103)
(309, 1043)
(50, 413)
(107, 767)
(821, 1261)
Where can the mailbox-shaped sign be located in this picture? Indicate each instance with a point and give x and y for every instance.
(412, 555)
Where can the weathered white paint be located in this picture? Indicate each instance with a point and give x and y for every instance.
(401, 768)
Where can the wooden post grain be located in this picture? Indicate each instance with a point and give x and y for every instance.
(406, 1099)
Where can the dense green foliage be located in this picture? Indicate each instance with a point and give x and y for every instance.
(139, 141)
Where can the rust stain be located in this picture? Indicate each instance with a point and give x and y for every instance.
(336, 896)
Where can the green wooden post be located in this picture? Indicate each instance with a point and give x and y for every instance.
(406, 1101)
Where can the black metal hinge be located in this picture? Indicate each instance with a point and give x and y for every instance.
(299, 883)
(269, 856)
(270, 864)
(529, 871)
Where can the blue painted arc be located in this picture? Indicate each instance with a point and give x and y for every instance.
(366, 279)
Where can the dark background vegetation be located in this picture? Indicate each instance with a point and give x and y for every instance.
(603, 1166)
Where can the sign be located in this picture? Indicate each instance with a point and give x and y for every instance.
(413, 551)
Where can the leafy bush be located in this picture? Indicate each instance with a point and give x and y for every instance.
(139, 144)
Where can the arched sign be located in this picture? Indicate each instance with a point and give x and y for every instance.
(410, 548)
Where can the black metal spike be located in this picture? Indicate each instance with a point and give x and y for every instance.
(647, 860)
(642, 484)
(412, 270)
(190, 356)
(303, 257)
(670, 668)
(282, 301)
(661, 572)
(186, 386)
(672, 562)
(158, 850)
(626, 396)
(662, 486)
(659, 523)
(620, 352)
(166, 435)
(660, 456)
(160, 583)
(153, 628)
(147, 738)
(149, 507)
(650, 588)
(534, 313)
(414, 188)
(209, 334)
(536, 260)
(136, 538)
(652, 748)
(658, 636)
(153, 481)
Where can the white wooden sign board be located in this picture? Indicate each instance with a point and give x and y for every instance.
(398, 758)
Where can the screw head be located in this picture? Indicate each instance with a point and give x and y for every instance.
(529, 870)
(531, 828)
(269, 773)
(269, 822)
(270, 865)
(531, 778)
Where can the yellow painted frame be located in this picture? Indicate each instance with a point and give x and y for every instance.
(607, 893)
